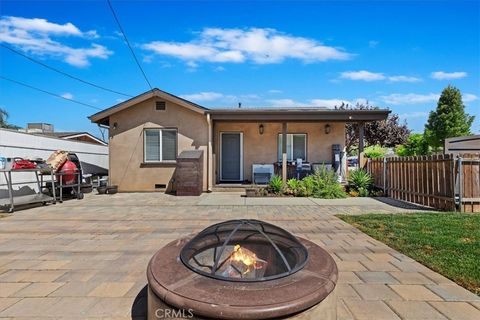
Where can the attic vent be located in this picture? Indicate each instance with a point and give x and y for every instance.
(160, 105)
(160, 186)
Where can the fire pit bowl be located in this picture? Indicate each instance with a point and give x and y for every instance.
(242, 269)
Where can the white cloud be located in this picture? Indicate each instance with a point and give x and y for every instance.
(442, 75)
(257, 45)
(313, 103)
(404, 79)
(413, 115)
(219, 69)
(468, 97)
(36, 36)
(274, 91)
(413, 98)
(373, 43)
(362, 75)
(67, 95)
(204, 96)
(410, 98)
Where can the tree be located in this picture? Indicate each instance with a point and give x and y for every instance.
(3, 120)
(386, 133)
(448, 120)
(414, 146)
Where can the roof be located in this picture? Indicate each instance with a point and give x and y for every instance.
(300, 114)
(102, 116)
(246, 114)
(74, 134)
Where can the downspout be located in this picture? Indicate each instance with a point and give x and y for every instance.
(209, 155)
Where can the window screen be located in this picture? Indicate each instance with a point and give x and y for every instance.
(296, 146)
(160, 145)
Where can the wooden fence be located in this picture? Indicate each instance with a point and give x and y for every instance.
(443, 182)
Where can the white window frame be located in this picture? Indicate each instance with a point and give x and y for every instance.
(160, 130)
(290, 141)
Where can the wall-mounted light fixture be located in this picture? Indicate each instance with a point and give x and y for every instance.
(115, 126)
(328, 128)
(261, 129)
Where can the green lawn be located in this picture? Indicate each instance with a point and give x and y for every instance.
(448, 243)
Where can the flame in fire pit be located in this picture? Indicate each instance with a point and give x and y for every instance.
(246, 257)
(244, 263)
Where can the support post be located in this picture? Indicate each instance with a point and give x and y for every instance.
(284, 151)
(209, 155)
(361, 134)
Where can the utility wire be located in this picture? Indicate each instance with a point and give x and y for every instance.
(128, 43)
(48, 92)
(61, 72)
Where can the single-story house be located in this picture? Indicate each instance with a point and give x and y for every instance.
(149, 131)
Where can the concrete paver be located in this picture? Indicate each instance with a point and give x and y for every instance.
(87, 259)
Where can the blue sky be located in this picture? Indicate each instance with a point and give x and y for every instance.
(398, 55)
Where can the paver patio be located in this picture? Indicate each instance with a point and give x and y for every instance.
(87, 259)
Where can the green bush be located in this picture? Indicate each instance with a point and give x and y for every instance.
(276, 184)
(375, 151)
(293, 186)
(307, 185)
(414, 146)
(359, 179)
(363, 192)
(326, 185)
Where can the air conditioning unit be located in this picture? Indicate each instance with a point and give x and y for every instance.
(262, 173)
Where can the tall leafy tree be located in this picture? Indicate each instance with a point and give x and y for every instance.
(448, 120)
(386, 133)
(3, 120)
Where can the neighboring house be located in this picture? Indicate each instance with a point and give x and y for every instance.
(48, 129)
(459, 145)
(79, 136)
(149, 131)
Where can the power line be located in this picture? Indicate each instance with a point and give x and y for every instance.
(48, 92)
(62, 72)
(128, 43)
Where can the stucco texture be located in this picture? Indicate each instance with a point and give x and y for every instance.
(262, 148)
(127, 167)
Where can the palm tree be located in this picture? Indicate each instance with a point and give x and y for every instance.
(3, 120)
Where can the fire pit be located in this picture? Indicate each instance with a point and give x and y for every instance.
(242, 269)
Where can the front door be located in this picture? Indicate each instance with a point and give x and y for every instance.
(231, 156)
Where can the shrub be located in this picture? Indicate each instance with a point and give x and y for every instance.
(307, 185)
(375, 151)
(326, 185)
(414, 146)
(276, 184)
(363, 192)
(359, 179)
(293, 186)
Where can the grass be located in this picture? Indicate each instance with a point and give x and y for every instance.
(448, 243)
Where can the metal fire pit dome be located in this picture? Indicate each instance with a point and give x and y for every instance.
(244, 250)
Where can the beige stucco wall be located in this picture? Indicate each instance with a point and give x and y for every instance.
(263, 148)
(127, 146)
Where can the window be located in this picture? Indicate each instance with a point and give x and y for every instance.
(160, 105)
(160, 145)
(296, 146)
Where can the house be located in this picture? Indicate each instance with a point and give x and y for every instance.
(149, 131)
(48, 129)
(462, 145)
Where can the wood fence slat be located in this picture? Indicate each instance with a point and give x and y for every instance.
(429, 180)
